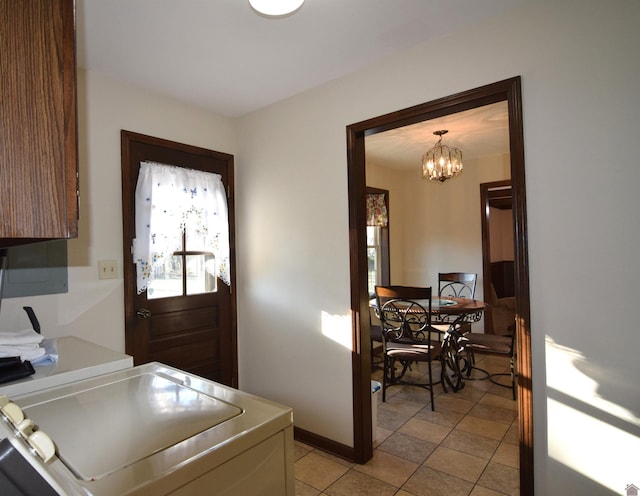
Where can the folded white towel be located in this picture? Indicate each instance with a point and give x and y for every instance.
(28, 336)
(25, 352)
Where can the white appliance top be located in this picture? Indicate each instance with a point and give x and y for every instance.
(142, 430)
(78, 359)
(103, 429)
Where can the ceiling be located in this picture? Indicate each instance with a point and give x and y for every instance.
(221, 55)
(479, 132)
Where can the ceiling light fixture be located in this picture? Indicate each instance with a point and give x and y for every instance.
(276, 8)
(441, 162)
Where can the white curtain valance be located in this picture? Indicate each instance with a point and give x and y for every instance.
(170, 200)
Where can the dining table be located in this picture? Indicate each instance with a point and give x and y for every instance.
(452, 312)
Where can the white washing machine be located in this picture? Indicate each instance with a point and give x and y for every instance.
(148, 430)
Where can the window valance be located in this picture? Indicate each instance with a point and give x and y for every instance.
(376, 210)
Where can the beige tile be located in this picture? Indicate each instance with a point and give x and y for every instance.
(300, 450)
(427, 431)
(388, 468)
(381, 435)
(441, 417)
(451, 402)
(417, 394)
(501, 478)
(408, 447)
(389, 418)
(303, 489)
(473, 390)
(472, 444)
(482, 427)
(355, 483)
(489, 412)
(505, 392)
(456, 463)
(318, 471)
(494, 400)
(336, 459)
(507, 454)
(512, 436)
(483, 491)
(429, 482)
(471, 434)
(401, 406)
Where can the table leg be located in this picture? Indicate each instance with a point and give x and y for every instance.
(454, 362)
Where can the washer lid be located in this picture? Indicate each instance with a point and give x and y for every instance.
(102, 429)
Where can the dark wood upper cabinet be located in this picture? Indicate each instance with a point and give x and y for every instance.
(38, 121)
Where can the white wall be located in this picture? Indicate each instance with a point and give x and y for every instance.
(93, 309)
(440, 222)
(580, 69)
(501, 235)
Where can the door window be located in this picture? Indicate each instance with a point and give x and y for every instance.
(182, 240)
(377, 204)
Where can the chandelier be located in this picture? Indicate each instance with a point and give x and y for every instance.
(276, 8)
(441, 162)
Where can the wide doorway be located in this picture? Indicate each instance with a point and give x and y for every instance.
(508, 91)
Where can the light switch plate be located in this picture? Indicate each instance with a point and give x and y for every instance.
(107, 269)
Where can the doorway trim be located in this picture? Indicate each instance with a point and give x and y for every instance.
(508, 90)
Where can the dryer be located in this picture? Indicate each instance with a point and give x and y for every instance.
(147, 430)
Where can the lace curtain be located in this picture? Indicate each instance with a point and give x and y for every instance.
(173, 200)
(377, 210)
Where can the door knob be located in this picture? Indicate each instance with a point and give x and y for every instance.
(143, 313)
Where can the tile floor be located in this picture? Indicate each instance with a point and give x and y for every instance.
(468, 446)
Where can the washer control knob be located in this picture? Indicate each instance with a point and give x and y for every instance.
(26, 427)
(12, 411)
(42, 445)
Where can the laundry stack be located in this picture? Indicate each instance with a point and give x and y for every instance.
(25, 344)
(19, 351)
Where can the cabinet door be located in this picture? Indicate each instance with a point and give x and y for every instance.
(38, 120)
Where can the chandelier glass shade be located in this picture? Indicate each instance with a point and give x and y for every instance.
(276, 8)
(441, 162)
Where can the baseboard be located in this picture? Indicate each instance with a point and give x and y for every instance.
(322, 443)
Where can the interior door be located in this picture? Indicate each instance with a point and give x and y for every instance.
(192, 330)
(497, 195)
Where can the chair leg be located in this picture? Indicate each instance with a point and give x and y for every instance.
(385, 365)
(431, 385)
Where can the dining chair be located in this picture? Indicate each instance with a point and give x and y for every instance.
(476, 343)
(376, 338)
(405, 315)
(459, 285)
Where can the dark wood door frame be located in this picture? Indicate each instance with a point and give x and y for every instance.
(510, 91)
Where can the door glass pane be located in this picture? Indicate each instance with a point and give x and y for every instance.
(168, 280)
(372, 258)
(200, 274)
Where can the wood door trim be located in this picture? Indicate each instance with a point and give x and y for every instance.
(508, 90)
